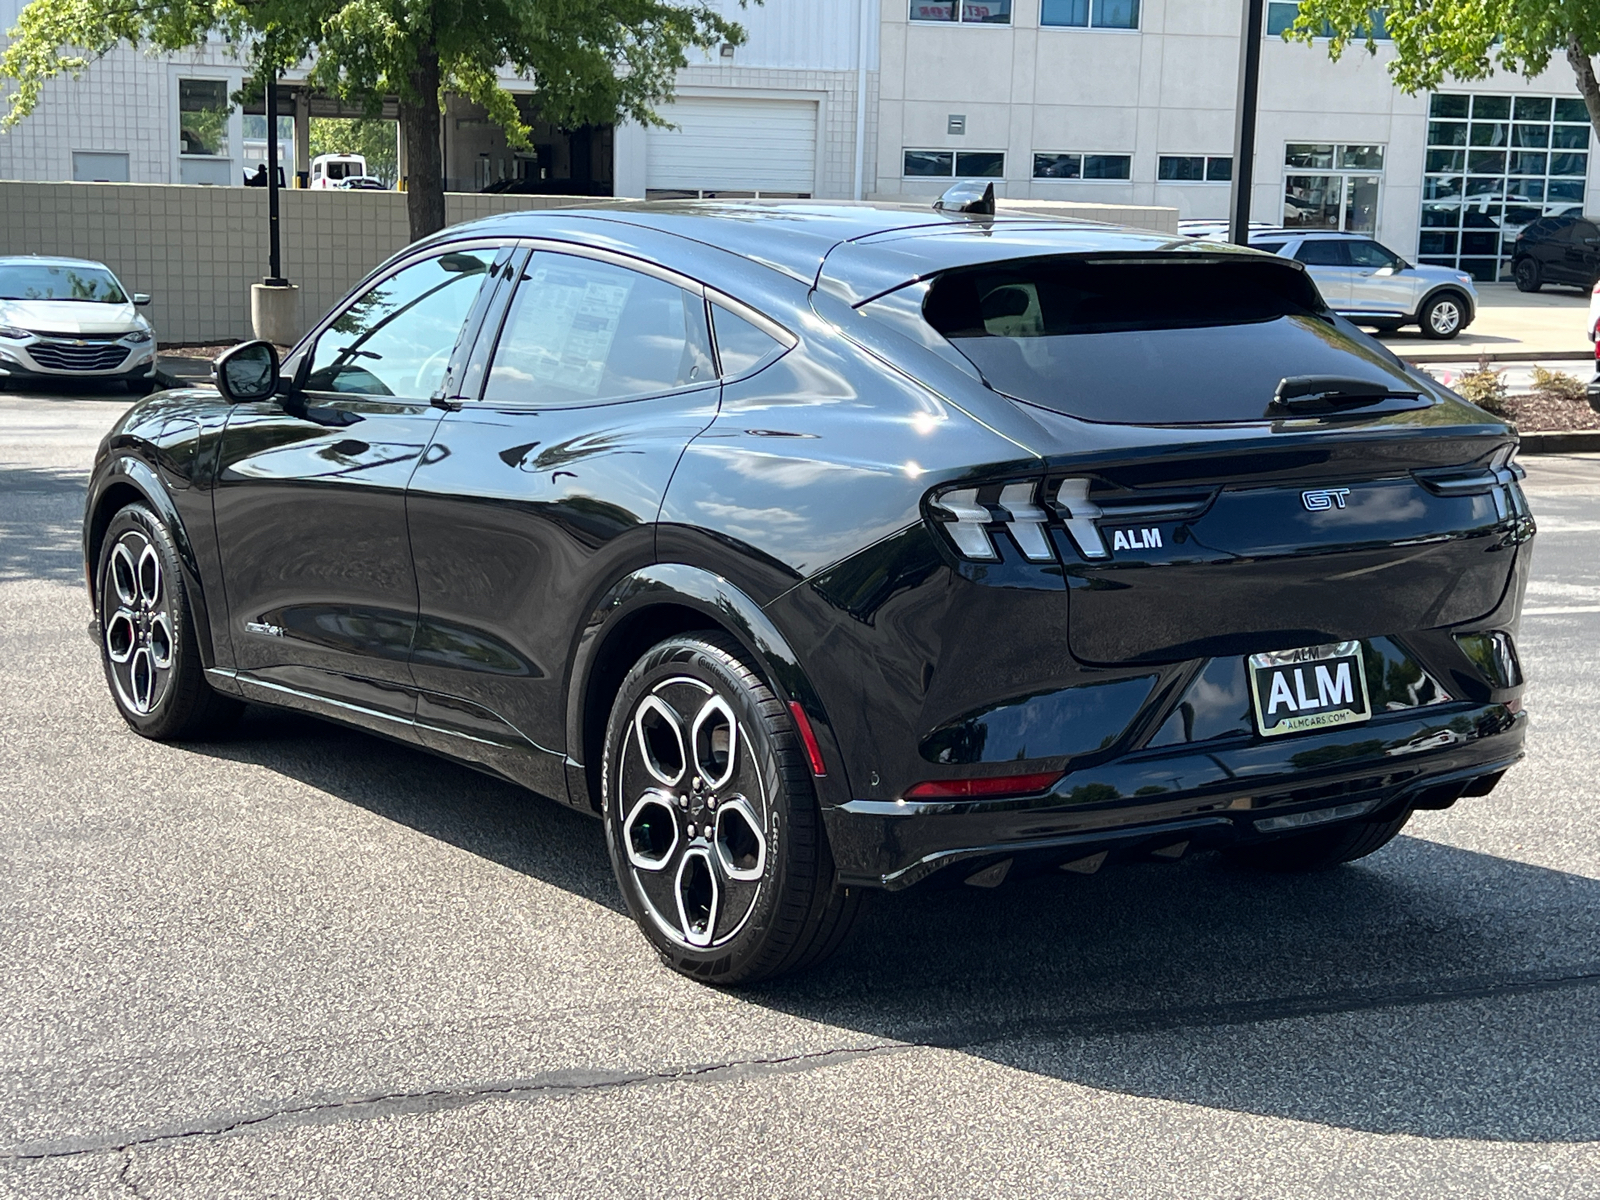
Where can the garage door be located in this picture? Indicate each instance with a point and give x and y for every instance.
(735, 144)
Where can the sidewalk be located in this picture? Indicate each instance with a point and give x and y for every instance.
(1530, 325)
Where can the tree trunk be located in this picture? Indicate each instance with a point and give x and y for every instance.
(419, 122)
(1587, 84)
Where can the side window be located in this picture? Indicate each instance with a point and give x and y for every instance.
(1370, 255)
(583, 332)
(1323, 253)
(395, 339)
(741, 346)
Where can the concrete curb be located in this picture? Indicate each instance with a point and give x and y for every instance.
(1573, 441)
(1499, 356)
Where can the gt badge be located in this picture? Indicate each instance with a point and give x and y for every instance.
(1323, 499)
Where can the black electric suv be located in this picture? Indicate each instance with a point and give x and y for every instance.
(821, 548)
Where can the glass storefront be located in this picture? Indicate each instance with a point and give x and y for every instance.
(1494, 164)
(1332, 186)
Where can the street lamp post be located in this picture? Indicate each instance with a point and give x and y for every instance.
(1244, 121)
(274, 245)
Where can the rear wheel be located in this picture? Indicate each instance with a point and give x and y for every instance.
(1442, 317)
(1319, 849)
(147, 638)
(1526, 273)
(712, 821)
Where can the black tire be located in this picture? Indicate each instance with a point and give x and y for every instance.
(1527, 275)
(729, 875)
(147, 638)
(1320, 849)
(1443, 316)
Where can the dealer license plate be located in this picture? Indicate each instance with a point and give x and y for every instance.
(1313, 688)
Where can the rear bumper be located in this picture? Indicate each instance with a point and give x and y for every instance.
(1207, 795)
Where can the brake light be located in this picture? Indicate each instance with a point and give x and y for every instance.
(988, 788)
(966, 521)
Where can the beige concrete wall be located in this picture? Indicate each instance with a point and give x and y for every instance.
(197, 250)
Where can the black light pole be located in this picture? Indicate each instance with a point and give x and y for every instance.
(274, 259)
(1244, 126)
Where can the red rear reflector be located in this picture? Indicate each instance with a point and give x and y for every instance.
(997, 785)
(813, 751)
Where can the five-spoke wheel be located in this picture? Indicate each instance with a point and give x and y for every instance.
(712, 820)
(147, 641)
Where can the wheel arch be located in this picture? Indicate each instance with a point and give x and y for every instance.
(658, 602)
(1448, 289)
(128, 480)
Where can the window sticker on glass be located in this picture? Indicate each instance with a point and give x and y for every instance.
(570, 333)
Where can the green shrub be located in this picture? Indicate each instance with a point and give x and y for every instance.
(1558, 385)
(1484, 387)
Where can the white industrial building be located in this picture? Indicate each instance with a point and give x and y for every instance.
(1121, 101)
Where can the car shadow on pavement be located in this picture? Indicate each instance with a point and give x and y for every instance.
(1426, 991)
(40, 523)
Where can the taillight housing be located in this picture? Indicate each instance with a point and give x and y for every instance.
(971, 524)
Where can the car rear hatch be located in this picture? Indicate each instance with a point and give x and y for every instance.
(1235, 470)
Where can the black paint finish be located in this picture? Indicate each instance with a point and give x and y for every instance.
(477, 577)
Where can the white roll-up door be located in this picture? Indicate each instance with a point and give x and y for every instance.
(735, 144)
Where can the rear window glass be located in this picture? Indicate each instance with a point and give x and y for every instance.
(1184, 341)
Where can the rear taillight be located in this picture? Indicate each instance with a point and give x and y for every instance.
(968, 522)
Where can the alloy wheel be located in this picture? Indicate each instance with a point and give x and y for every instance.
(137, 623)
(694, 813)
(1445, 317)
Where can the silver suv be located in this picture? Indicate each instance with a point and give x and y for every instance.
(1373, 286)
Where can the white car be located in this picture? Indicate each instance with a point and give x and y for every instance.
(71, 318)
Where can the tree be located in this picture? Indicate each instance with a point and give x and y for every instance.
(1464, 39)
(593, 61)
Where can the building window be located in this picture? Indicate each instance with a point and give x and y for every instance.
(1194, 168)
(961, 164)
(203, 117)
(1495, 164)
(966, 12)
(1082, 166)
(1087, 14)
(1332, 186)
(1281, 15)
(99, 166)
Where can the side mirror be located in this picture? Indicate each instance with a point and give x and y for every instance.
(1386, 270)
(141, 299)
(247, 372)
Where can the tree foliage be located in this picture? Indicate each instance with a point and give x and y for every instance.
(592, 61)
(1464, 39)
(374, 138)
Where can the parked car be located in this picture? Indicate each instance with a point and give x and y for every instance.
(1370, 284)
(362, 183)
(817, 549)
(1558, 250)
(71, 318)
(329, 170)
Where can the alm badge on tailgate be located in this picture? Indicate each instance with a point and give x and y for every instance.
(1312, 688)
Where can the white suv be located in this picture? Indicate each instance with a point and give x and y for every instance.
(1372, 285)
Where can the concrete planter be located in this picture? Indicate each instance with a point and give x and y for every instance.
(273, 312)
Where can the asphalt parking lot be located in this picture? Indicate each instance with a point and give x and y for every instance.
(306, 962)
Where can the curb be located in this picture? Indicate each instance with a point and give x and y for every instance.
(1501, 356)
(1575, 441)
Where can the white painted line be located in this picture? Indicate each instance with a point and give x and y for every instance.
(1561, 612)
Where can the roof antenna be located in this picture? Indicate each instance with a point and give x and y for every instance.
(965, 197)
